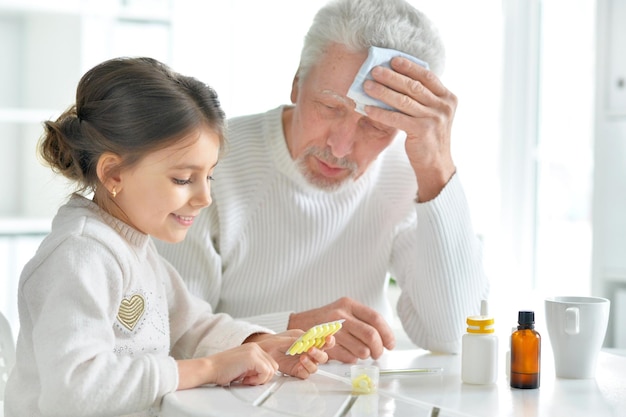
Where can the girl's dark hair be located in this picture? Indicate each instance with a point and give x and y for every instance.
(130, 107)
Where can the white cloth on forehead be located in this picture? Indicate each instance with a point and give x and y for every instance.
(376, 56)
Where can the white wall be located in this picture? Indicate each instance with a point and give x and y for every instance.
(609, 203)
(10, 31)
(247, 50)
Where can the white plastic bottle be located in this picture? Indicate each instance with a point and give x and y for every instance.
(479, 355)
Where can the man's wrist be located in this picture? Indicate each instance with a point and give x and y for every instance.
(429, 187)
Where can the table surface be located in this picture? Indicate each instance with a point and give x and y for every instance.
(328, 393)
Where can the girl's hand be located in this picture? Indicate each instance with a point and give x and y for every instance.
(248, 364)
(301, 366)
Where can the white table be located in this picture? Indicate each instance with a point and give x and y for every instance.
(328, 393)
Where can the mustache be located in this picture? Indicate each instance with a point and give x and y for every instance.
(327, 156)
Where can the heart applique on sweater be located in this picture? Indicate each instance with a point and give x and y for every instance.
(130, 311)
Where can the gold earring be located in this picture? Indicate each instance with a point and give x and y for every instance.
(113, 192)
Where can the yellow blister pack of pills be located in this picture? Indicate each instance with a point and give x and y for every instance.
(314, 337)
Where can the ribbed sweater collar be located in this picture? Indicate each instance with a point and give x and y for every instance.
(133, 236)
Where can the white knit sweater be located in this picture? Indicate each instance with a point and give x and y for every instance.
(271, 244)
(100, 314)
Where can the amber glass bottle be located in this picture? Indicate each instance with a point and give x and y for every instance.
(525, 352)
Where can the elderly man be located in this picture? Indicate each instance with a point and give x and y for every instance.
(318, 203)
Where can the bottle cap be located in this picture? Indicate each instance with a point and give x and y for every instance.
(526, 317)
(480, 324)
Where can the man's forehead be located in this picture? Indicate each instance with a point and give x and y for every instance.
(336, 69)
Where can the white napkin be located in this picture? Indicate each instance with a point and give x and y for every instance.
(376, 56)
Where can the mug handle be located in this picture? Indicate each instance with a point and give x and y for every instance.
(572, 322)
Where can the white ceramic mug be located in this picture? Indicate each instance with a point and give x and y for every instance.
(576, 328)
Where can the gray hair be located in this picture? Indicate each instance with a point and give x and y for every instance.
(359, 24)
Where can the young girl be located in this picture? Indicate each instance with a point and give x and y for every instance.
(107, 326)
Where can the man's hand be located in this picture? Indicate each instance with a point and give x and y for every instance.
(363, 334)
(426, 112)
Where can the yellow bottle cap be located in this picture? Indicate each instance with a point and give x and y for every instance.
(480, 324)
